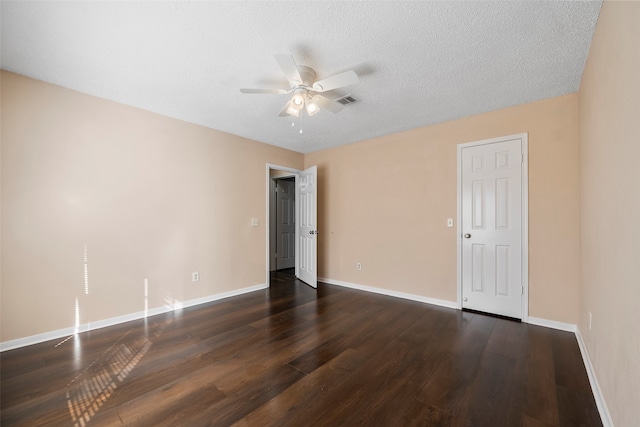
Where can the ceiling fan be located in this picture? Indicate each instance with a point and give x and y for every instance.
(306, 89)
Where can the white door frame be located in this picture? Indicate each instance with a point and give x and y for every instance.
(267, 221)
(524, 137)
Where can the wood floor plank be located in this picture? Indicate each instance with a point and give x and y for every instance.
(364, 391)
(291, 355)
(172, 402)
(534, 389)
(568, 373)
(488, 396)
(475, 336)
(454, 373)
(253, 394)
(394, 387)
(577, 408)
(51, 406)
(418, 415)
(505, 338)
(288, 408)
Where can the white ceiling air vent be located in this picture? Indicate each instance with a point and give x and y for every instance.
(346, 100)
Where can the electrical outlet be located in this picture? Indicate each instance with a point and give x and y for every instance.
(590, 317)
(195, 276)
(358, 266)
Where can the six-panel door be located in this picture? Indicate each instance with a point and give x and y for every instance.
(492, 228)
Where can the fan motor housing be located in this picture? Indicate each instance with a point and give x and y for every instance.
(308, 76)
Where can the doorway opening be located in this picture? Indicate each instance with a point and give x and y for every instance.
(281, 240)
(283, 224)
(293, 234)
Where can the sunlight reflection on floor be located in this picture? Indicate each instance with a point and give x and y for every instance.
(92, 388)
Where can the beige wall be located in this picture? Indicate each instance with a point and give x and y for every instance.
(609, 101)
(384, 202)
(151, 198)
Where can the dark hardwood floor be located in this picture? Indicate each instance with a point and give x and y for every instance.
(288, 356)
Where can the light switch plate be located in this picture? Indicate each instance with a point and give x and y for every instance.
(450, 222)
(255, 222)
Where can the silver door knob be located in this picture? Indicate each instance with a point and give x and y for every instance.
(467, 236)
(313, 232)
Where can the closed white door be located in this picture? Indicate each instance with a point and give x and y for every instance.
(285, 224)
(306, 196)
(492, 227)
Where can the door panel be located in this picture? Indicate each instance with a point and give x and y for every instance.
(477, 279)
(306, 195)
(502, 203)
(491, 225)
(478, 203)
(502, 270)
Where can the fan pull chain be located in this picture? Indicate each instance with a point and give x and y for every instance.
(293, 124)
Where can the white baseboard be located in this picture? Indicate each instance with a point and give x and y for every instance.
(412, 297)
(593, 380)
(569, 327)
(63, 333)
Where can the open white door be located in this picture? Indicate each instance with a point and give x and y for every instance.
(307, 197)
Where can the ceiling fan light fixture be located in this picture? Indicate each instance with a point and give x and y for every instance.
(303, 83)
(312, 106)
(297, 101)
(293, 110)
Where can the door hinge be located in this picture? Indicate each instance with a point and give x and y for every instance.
(522, 290)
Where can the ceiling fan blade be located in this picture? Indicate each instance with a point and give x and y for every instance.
(289, 67)
(274, 91)
(327, 104)
(339, 80)
(284, 112)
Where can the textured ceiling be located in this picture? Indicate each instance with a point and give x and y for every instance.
(419, 63)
